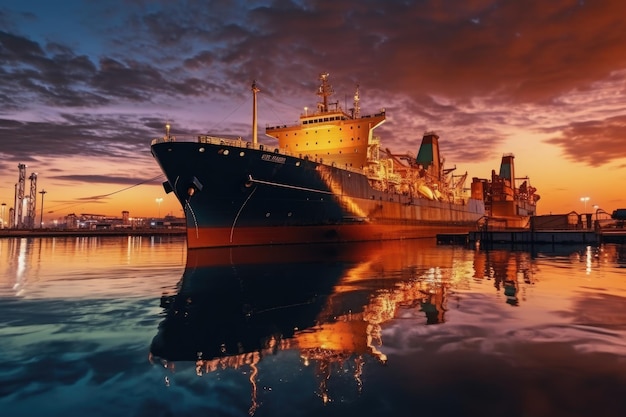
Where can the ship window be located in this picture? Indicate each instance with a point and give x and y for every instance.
(325, 119)
(328, 141)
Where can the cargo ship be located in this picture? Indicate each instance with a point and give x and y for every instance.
(326, 179)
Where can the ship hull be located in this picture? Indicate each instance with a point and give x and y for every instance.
(235, 195)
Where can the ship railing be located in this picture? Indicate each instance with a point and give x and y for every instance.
(241, 143)
(214, 140)
(217, 140)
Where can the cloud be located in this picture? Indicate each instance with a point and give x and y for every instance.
(594, 142)
(469, 70)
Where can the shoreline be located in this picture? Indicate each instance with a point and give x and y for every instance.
(25, 233)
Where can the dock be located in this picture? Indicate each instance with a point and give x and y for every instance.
(526, 236)
(30, 233)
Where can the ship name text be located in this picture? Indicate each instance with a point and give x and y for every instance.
(273, 158)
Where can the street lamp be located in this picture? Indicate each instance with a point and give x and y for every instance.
(42, 192)
(4, 206)
(159, 200)
(584, 200)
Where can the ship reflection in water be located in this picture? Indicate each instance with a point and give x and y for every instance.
(402, 319)
(236, 306)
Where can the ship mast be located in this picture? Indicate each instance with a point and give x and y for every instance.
(254, 115)
(324, 91)
(357, 106)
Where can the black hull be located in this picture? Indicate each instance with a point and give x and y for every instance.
(237, 195)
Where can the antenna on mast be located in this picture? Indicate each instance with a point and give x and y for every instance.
(324, 91)
(357, 105)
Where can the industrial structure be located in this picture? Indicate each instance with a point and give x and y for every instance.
(22, 215)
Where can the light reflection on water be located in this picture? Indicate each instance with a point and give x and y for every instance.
(138, 326)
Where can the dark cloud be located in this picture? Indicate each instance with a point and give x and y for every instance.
(104, 179)
(427, 62)
(595, 142)
(85, 135)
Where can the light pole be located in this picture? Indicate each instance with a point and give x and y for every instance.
(42, 192)
(159, 200)
(584, 200)
(4, 206)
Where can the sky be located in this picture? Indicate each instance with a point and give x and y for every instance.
(85, 86)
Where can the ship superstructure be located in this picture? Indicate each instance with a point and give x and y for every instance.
(507, 204)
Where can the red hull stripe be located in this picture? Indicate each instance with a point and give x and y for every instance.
(222, 237)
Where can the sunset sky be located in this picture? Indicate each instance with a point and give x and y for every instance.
(85, 86)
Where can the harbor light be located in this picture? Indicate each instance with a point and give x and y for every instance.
(159, 200)
(584, 200)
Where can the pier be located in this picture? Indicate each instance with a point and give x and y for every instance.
(26, 233)
(526, 236)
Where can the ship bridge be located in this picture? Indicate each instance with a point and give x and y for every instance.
(330, 134)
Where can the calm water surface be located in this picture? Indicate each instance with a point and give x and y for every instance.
(141, 327)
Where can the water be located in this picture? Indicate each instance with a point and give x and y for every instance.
(139, 327)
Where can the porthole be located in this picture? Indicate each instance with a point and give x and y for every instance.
(226, 151)
(242, 153)
(201, 150)
(267, 214)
